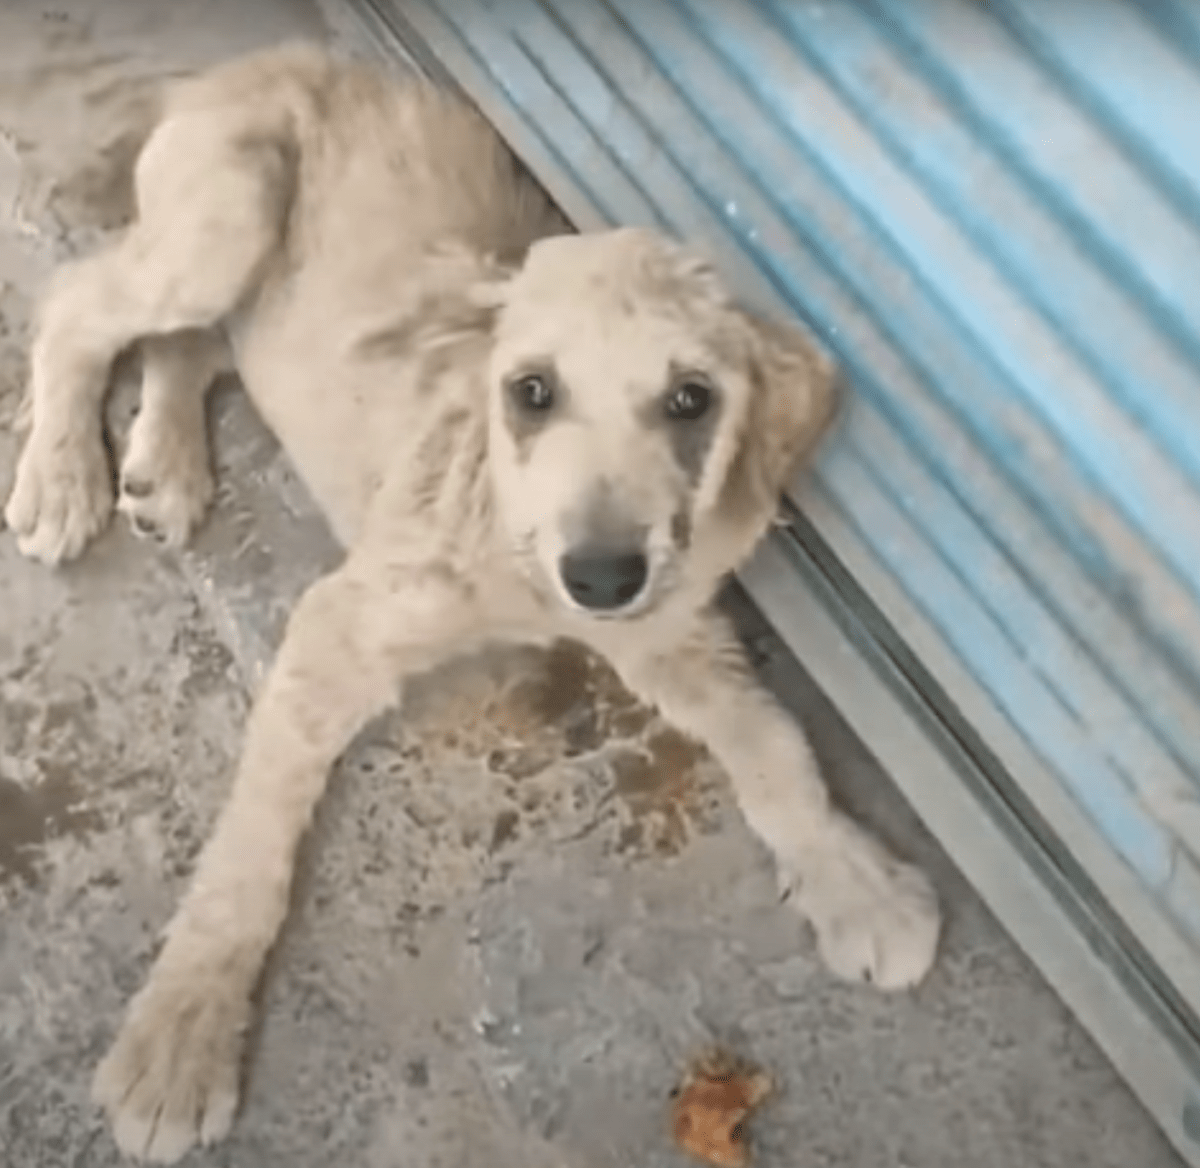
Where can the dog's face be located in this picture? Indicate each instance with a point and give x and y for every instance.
(634, 411)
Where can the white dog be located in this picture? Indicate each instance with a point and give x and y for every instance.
(516, 433)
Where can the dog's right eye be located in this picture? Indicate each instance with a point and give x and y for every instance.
(533, 392)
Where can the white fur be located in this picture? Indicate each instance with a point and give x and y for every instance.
(382, 267)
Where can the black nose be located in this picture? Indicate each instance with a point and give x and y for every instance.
(602, 580)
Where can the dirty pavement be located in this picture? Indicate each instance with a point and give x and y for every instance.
(525, 903)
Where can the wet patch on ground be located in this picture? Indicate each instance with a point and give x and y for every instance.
(53, 806)
(563, 748)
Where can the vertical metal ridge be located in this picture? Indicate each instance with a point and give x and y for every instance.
(1147, 113)
(998, 212)
(1178, 22)
(1007, 100)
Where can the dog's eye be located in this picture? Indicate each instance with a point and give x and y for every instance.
(533, 392)
(688, 401)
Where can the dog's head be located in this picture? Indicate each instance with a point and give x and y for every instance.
(642, 426)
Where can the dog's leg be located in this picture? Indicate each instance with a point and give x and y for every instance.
(166, 477)
(210, 211)
(62, 493)
(171, 1078)
(876, 919)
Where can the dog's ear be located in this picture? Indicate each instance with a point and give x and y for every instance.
(793, 400)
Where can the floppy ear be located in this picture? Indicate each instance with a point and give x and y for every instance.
(793, 400)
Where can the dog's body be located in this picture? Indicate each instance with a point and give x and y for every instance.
(516, 433)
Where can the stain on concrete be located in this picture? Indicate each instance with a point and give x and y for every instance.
(50, 72)
(65, 30)
(210, 664)
(24, 664)
(504, 830)
(13, 362)
(30, 817)
(28, 726)
(524, 709)
(662, 786)
(557, 734)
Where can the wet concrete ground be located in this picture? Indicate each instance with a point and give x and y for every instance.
(525, 902)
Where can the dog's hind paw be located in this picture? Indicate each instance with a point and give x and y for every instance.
(170, 1080)
(62, 496)
(166, 483)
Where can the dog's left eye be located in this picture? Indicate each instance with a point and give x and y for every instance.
(688, 401)
(533, 392)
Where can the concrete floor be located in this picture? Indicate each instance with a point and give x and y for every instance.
(522, 908)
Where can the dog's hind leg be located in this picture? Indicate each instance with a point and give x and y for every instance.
(166, 481)
(211, 204)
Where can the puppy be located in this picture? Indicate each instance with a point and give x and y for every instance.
(515, 432)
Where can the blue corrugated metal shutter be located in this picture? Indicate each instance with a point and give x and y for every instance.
(990, 213)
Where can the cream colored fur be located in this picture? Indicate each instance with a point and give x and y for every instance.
(381, 268)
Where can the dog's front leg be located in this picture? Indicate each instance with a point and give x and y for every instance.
(171, 1078)
(876, 919)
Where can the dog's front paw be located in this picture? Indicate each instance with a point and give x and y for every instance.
(170, 1080)
(62, 495)
(876, 919)
(166, 483)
